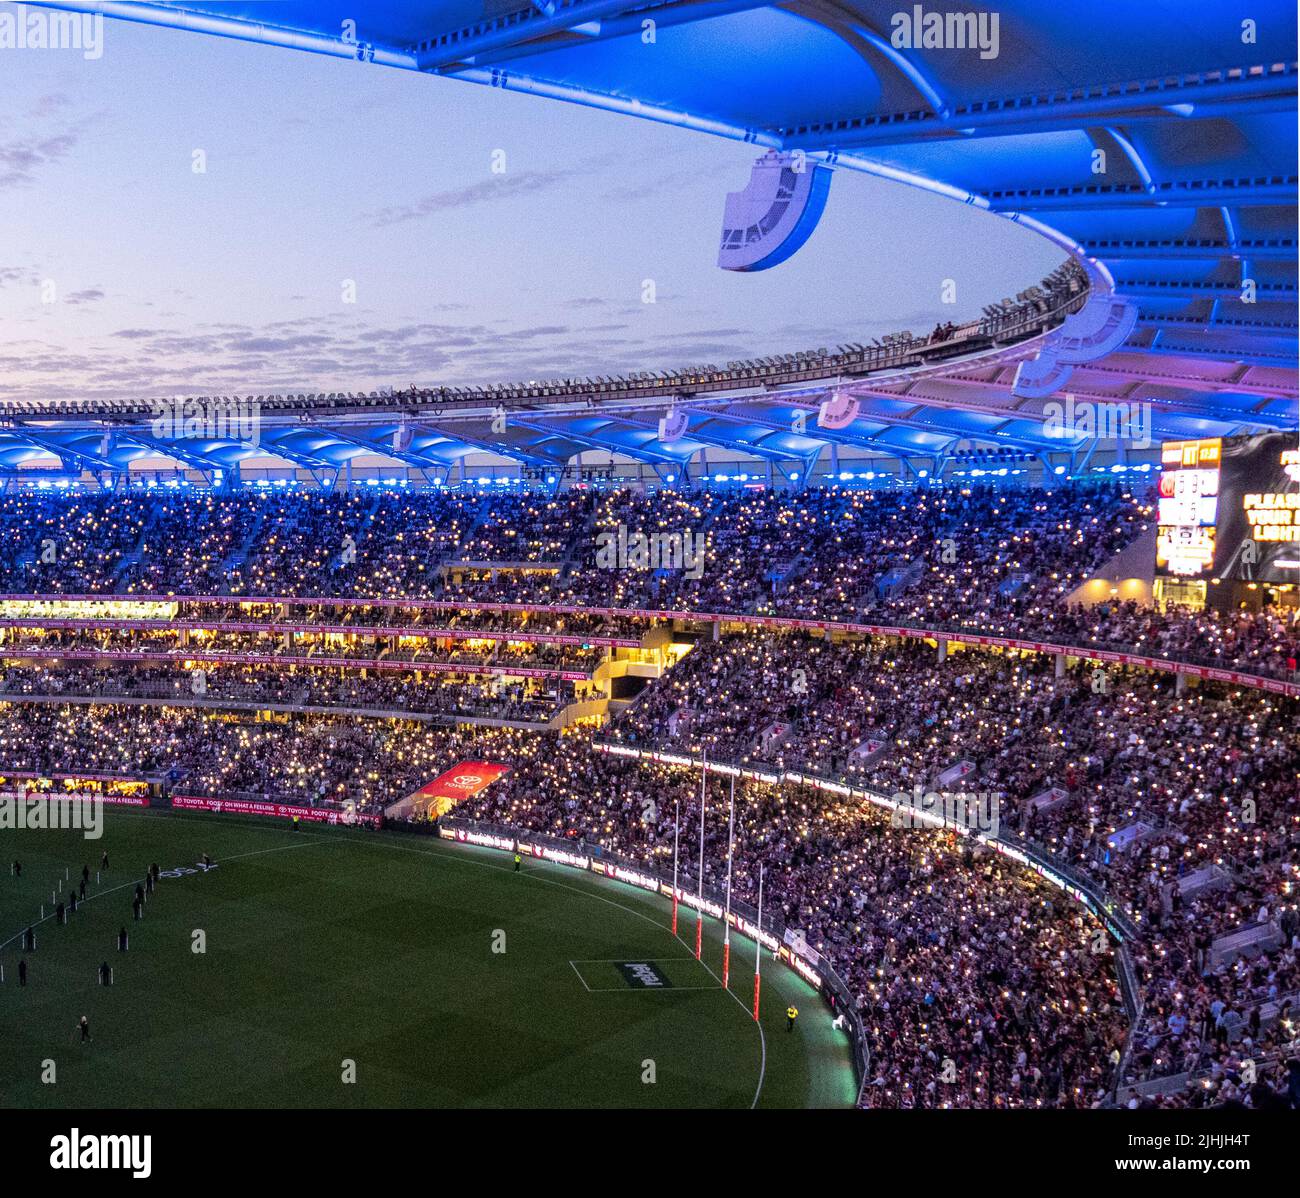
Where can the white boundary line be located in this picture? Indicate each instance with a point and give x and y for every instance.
(531, 874)
(623, 960)
(581, 978)
(669, 989)
(137, 881)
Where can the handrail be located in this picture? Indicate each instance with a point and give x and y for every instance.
(410, 631)
(218, 657)
(486, 716)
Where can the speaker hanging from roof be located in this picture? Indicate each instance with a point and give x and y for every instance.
(837, 411)
(1041, 376)
(1099, 328)
(672, 425)
(772, 218)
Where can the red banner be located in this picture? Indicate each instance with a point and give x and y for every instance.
(461, 782)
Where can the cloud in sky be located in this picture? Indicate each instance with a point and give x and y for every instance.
(493, 189)
(88, 295)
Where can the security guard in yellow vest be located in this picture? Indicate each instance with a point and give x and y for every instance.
(518, 859)
(791, 1014)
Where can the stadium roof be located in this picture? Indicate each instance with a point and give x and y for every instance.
(1155, 143)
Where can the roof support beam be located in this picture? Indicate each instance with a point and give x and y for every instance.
(997, 116)
(527, 457)
(746, 447)
(637, 454)
(519, 28)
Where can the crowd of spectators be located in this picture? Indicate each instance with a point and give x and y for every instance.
(1182, 805)
(978, 558)
(977, 985)
(206, 644)
(444, 696)
(305, 758)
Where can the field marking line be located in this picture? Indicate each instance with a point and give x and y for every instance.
(446, 856)
(629, 989)
(137, 881)
(623, 960)
(762, 1038)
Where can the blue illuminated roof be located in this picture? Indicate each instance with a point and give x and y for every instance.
(1155, 142)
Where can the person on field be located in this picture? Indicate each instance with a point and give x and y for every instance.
(58, 914)
(82, 890)
(121, 940)
(22, 971)
(103, 862)
(791, 1014)
(85, 874)
(84, 1028)
(518, 861)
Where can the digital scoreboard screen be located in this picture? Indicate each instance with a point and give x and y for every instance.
(1230, 509)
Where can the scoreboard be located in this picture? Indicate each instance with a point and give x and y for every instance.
(1229, 508)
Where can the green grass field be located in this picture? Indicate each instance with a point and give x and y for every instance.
(333, 945)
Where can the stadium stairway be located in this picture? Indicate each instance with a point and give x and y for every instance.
(583, 536)
(122, 572)
(235, 560)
